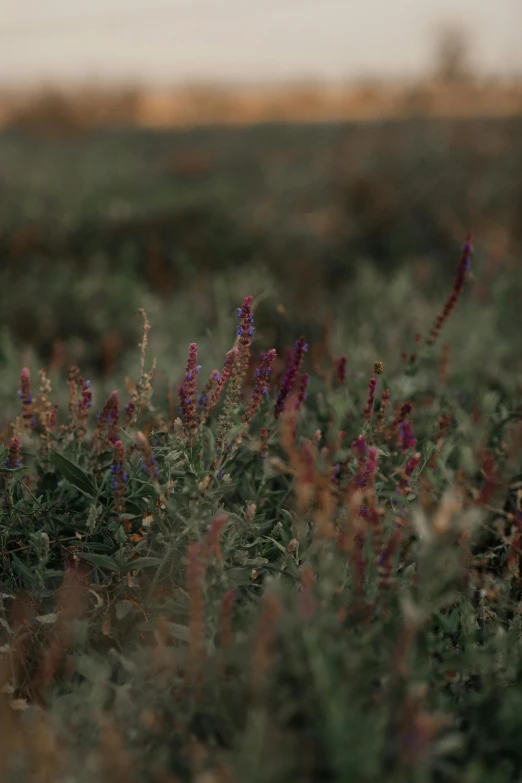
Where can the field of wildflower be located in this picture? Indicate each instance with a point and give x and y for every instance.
(265, 525)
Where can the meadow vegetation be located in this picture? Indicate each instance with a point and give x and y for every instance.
(278, 539)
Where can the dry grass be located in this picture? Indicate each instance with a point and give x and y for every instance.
(75, 111)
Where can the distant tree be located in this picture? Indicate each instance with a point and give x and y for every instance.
(452, 55)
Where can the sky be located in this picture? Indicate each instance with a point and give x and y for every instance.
(157, 41)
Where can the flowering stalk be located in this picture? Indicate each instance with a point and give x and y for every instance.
(303, 385)
(108, 419)
(406, 473)
(401, 411)
(119, 477)
(211, 545)
(26, 399)
(188, 395)
(130, 412)
(73, 375)
(80, 402)
(359, 446)
(290, 377)
(458, 286)
(368, 410)
(384, 561)
(370, 467)
(148, 460)
(406, 439)
(52, 418)
(45, 412)
(445, 421)
(239, 369)
(261, 378)
(13, 455)
(221, 380)
(381, 413)
(84, 404)
(205, 397)
(340, 369)
(141, 392)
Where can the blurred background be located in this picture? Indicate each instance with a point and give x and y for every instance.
(327, 157)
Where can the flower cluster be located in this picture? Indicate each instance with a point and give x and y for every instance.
(261, 379)
(458, 286)
(26, 398)
(119, 477)
(367, 463)
(406, 439)
(291, 375)
(13, 455)
(245, 330)
(401, 411)
(148, 460)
